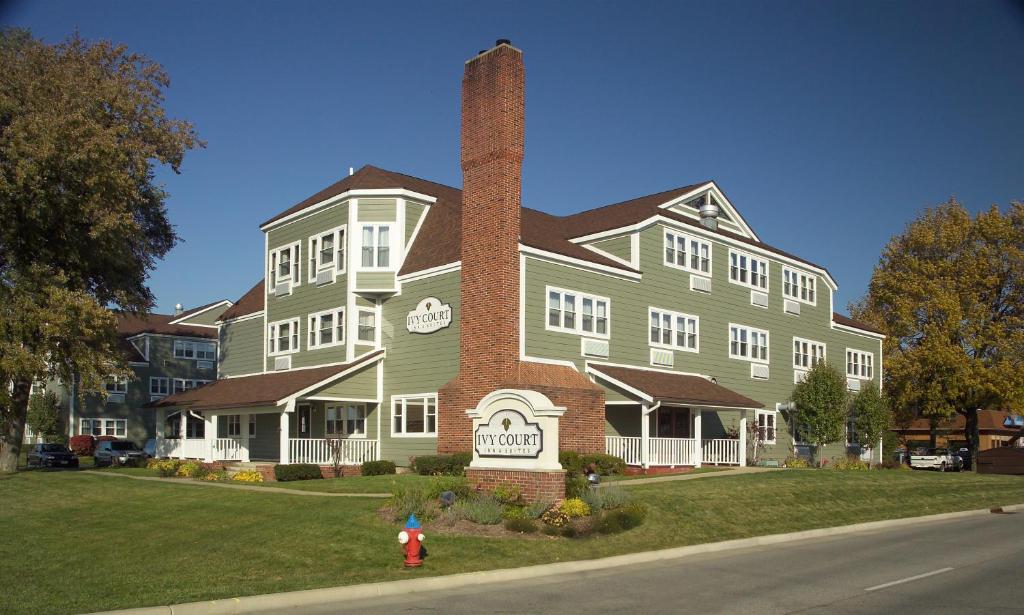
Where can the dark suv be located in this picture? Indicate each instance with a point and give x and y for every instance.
(118, 452)
(51, 456)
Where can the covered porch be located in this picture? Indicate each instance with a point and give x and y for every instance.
(672, 419)
(316, 415)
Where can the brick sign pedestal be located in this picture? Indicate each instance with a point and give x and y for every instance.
(515, 442)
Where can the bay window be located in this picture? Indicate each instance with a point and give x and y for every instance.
(376, 246)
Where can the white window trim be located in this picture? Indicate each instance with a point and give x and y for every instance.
(181, 344)
(313, 253)
(294, 276)
(394, 254)
(272, 336)
(118, 382)
(236, 420)
(799, 276)
(750, 330)
(313, 327)
(686, 266)
(193, 381)
(809, 342)
(376, 327)
(775, 424)
(578, 329)
(750, 269)
(396, 399)
(342, 405)
(861, 354)
(103, 422)
(167, 385)
(674, 316)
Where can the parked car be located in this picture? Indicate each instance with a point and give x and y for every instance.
(940, 459)
(965, 458)
(51, 456)
(118, 452)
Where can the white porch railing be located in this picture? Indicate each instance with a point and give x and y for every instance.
(722, 451)
(673, 451)
(168, 448)
(626, 448)
(195, 448)
(354, 451)
(228, 449)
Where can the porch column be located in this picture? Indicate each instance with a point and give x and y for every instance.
(285, 445)
(244, 425)
(158, 430)
(743, 438)
(645, 436)
(698, 454)
(209, 435)
(183, 431)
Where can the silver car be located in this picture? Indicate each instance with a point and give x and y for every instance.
(118, 452)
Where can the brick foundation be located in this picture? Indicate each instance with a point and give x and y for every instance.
(536, 486)
(328, 471)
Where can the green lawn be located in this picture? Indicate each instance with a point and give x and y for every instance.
(621, 477)
(352, 484)
(137, 543)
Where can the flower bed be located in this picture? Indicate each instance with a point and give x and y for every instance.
(208, 472)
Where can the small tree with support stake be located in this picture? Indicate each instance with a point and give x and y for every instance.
(821, 407)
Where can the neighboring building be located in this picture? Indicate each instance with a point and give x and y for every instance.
(391, 304)
(168, 353)
(993, 431)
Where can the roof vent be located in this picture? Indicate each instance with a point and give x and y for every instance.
(177, 309)
(709, 213)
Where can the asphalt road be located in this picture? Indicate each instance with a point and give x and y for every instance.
(964, 566)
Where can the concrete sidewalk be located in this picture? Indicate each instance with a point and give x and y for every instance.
(299, 601)
(688, 476)
(189, 481)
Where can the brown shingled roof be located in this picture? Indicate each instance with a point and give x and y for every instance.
(846, 321)
(989, 421)
(677, 388)
(251, 302)
(257, 390)
(131, 324)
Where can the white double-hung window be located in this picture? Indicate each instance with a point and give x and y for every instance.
(327, 253)
(414, 415)
(573, 312)
(859, 364)
(687, 252)
(766, 426)
(748, 270)
(367, 332)
(159, 386)
(748, 343)
(346, 420)
(116, 385)
(283, 337)
(375, 249)
(284, 265)
(184, 384)
(673, 330)
(201, 351)
(807, 353)
(326, 328)
(798, 285)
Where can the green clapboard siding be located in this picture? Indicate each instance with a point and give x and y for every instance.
(617, 246)
(413, 212)
(241, 347)
(372, 280)
(377, 210)
(358, 385)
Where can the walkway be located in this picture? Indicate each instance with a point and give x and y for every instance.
(688, 476)
(189, 481)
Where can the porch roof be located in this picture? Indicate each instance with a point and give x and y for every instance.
(673, 388)
(272, 388)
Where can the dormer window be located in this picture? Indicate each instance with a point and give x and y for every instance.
(327, 254)
(376, 246)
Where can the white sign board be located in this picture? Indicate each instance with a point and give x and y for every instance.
(515, 429)
(508, 434)
(429, 316)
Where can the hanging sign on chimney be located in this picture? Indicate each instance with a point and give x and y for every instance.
(429, 316)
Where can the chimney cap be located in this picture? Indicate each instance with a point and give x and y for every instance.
(502, 41)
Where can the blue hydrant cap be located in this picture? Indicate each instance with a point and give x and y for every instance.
(413, 523)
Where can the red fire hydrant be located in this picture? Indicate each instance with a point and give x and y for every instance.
(411, 537)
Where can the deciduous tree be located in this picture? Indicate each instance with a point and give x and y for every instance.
(871, 416)
(43, 415)
(821, 407)
(82, 218)
(949, 293)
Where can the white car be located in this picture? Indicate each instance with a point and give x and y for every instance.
(937, 459)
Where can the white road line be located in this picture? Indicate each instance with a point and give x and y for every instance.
(908, 579)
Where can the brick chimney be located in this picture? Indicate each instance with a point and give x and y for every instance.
(493, 119)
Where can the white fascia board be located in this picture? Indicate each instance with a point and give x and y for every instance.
(202, 311)
(856, 331)
(431, 272)
(305, 211)
(174, 337)
(645, 368)
(578, 263)
(326, 381)
(618, 383)
(608, 255)
(561, 362)
(241, 318)
(740, 223)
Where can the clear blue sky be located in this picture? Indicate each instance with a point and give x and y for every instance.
(828, 124)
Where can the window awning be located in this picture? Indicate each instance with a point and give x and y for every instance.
(272, 388)
(666, 387)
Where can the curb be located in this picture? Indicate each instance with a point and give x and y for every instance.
(249, 488)
(318, 597)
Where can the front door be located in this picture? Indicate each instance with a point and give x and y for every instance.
(304, 415)
(673, 422)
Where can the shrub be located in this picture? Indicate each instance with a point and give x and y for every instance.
(413, 500)
(515, 512)
(508, 494)
(442, 465)
(165, 467)
(613, 497)
(248, 476)
(218, 475)
(484, 510)
(455, 484)
(523, 526)
(190, 469)
(82, 445)
(889, 464)
(377, 468)
(555, 517)
(796, 462)
(849, 463)
(575, 507)
(550, 530)
(571, 462)
(575, 485)
(626, 518)
(536, 509)
(569, 532)
(605, 465)
(297, 471)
